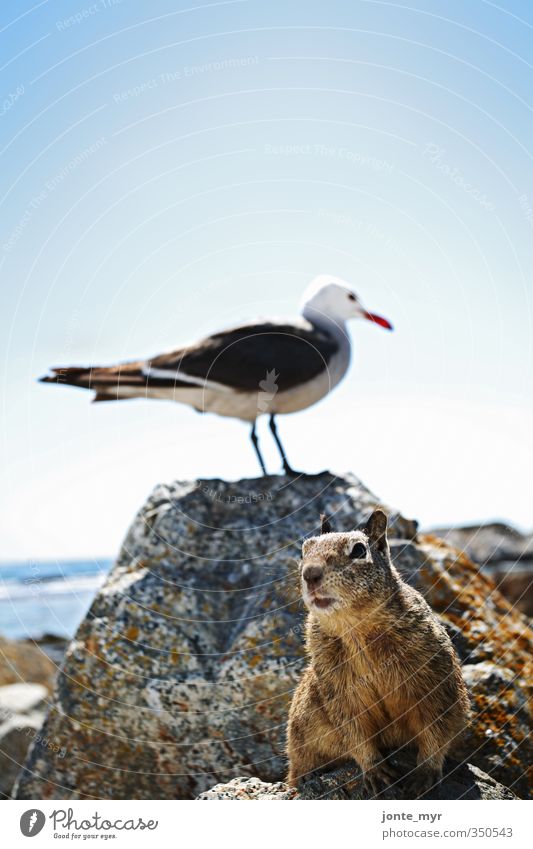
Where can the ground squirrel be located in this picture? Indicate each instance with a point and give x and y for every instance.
(382, 673)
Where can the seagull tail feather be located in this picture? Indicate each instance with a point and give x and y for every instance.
(105, 382)
(71, 376)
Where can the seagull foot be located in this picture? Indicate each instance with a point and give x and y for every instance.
(292, 472)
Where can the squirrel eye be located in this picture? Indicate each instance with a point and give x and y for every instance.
(358, 552)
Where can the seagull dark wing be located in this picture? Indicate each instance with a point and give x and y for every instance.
(243, 357)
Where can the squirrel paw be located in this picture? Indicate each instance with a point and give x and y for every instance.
(378, 779)
(424, 781)
(311, 786)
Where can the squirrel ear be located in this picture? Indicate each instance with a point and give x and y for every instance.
(325, 526)
(376, 528)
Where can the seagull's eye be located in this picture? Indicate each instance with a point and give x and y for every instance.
(351, 297)
(358, 552)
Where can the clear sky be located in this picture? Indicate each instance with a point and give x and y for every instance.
(166, 172)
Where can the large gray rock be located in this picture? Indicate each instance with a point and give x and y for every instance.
(490, 543)
(16, 735)
(504, 552)
(182, 672)
(460, 781)
(22, 711)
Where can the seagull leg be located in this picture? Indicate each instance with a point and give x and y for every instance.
(255, 443)
(286, 468)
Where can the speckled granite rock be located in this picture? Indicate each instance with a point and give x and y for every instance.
(249, 789)
(461, 781)
(498, 640)
(500, 738)
(181, 674)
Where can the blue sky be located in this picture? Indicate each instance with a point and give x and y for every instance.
(167, 172)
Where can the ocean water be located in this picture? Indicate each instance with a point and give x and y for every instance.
(47, 597)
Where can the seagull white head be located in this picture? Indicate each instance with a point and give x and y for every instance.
(330, 298)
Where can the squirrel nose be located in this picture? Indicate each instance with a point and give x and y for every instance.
(312, 575)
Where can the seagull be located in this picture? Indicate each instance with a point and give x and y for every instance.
(261, 368)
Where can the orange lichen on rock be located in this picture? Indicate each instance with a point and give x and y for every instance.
(497, 654)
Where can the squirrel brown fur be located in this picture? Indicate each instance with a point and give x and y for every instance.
(382, 670)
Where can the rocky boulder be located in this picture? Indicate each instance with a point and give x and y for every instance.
(491, 635)
(505, 554)
(249, 790)
(27, 676)
(25, 660)
(182, 672)
(460, 781)
(22, 711)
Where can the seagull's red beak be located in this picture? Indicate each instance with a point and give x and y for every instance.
(378, 319)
